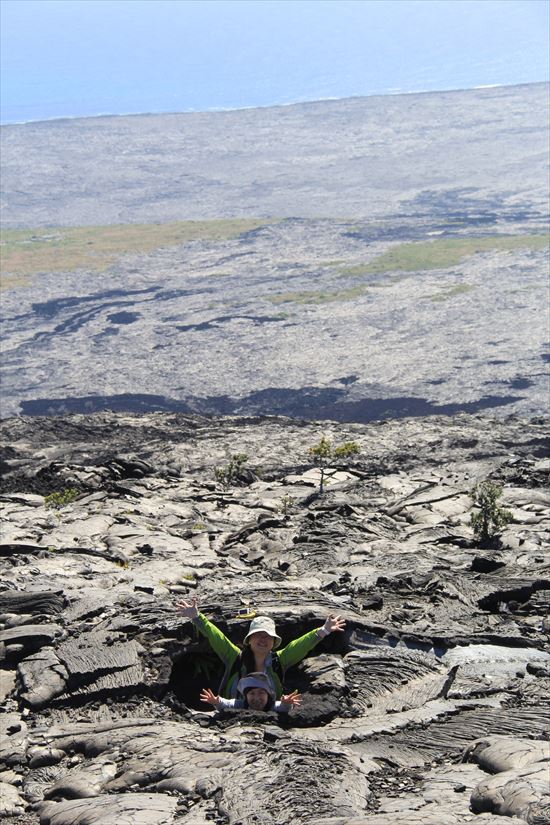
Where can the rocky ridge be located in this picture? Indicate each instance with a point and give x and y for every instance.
(432, 707)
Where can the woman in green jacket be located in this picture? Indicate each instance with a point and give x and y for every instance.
(260, 652)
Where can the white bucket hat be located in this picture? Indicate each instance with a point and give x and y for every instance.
(265, 624)
(255, 680)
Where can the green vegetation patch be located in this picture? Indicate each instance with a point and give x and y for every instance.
(459, 289)
(442, 253)
(489, 519)
(26, 252)
(315, 297)
(61, 498)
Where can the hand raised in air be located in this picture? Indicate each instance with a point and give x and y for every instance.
(209, 697)
(188, 609)
(292, 699)
(333, 623)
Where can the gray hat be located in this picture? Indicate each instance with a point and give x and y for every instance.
(255, 680)
(265, 624)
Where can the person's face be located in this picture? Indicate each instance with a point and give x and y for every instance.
(257, 698)
(261, 642)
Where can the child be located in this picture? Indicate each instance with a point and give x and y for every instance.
(257, 694)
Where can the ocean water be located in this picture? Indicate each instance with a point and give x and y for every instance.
(74, 58)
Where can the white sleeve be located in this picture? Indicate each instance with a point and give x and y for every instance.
(223, 703)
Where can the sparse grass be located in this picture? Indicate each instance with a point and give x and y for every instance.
(285, 504)
(442, 253)
(316, 297)
(459, 289)
(389, 281)
(12, 281)
(56, 500)
(526, 288)
(354, 271)
(26, 252)
(226, 476)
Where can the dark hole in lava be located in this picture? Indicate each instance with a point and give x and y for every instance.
(511, 599)
(193, 671)
(200, 668)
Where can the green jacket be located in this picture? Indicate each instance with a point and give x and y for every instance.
(290, 655)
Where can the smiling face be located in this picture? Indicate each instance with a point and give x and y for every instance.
(261, 643)
(257, 698)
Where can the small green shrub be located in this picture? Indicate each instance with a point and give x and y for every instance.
(345, 450)
(60, 499)
(226, 476)
(285, 504)
(490, 518)
(324, 451)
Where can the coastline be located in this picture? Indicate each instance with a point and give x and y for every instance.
(307, 101)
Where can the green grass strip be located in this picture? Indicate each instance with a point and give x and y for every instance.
(459, 289)
(442, 253)
(316, 297)
(26, 252)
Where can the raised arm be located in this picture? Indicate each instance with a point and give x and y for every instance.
(288, 701)
(209, 698)
(220, 644)
(332, 624)
(295, 651)
(218, 702)
(188, 610)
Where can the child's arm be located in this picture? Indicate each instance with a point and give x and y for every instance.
(210, 698)
(290, 700)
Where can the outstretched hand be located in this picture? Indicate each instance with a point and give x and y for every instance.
(292, 699)
(333, 623)
(188, 609)
(209, 698)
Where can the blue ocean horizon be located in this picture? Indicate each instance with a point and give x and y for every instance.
(90, 58)
(383, 93)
